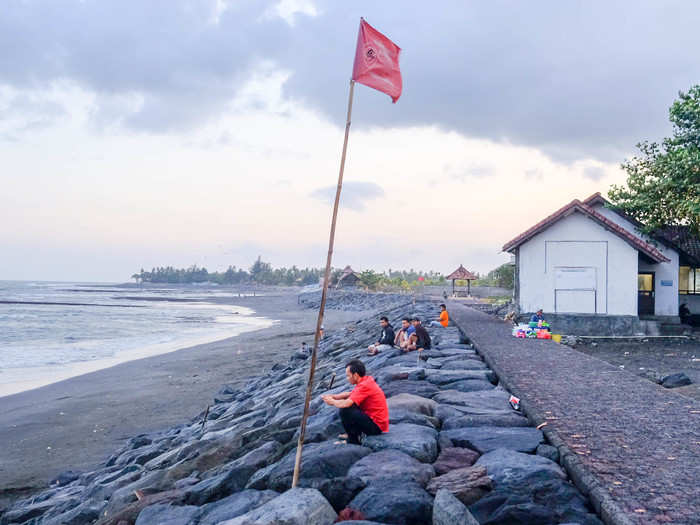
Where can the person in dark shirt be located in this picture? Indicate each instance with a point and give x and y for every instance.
(537, 316)
(684, 313)
(420, 339)
(386, 339)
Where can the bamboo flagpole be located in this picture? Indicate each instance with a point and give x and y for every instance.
(324, 293)
(377, 66)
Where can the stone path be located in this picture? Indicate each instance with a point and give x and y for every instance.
(629, 444)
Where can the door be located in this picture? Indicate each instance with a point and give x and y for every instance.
(646, 293)
(575, 289)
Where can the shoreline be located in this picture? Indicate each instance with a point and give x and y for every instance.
(48, 375)
(76, 423)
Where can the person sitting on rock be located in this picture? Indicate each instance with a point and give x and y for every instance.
(364, 409)
(444, 319)
(386, 339)
(402, 336)
(420, 339)
(537, 320)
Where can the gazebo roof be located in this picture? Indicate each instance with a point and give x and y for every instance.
(348, 270)
(461, 273)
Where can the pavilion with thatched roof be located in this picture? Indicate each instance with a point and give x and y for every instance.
(348, 278)
(461, 274)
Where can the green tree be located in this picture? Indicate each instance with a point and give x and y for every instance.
(260, 271)
(503, 276)
(663, 182)
(370, 279)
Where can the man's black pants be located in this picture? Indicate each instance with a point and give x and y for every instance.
(356, 423)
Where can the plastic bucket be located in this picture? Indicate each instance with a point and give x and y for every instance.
(556, 338)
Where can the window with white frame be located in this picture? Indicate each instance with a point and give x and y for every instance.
(689, 280)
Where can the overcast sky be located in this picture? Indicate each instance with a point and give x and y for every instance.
(136, 134)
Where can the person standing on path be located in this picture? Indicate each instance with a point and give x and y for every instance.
(363, 410)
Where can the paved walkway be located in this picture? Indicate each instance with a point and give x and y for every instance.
(632, 446)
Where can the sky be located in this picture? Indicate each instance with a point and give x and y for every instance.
(177, 132)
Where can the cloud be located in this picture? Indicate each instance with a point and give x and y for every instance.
(594, 173)
(354, 196)
(462, 173)
(575, 82)
(534, 174)
(289, 10)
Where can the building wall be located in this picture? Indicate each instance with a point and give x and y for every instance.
(578, 250)
(665, 274)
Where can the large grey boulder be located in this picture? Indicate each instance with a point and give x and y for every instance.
(161, 514)
(452, 348)
(232, 476)
(506, 467)
(297, 506)
(399, 373)
(391, 465)
(549, 452)
(448, 510)
(470, 385)
(464, 364)
(418, 388)
(464, 420)
(233, 506)
(405, 359)
(452, 458)
(338, 491)
(417, 441)
(444, 377)
(486, 439)
(395, 502)
(412, 403)
(535, 498)
(319, 460)
(520, 478)
(487, 402)
(361, 522)
(322, 426)
(675, 380)
(397, 416)
(467, 484)
(86, 512)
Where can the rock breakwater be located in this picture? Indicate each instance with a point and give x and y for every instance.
(455, 449)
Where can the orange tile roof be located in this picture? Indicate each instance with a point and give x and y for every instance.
(461, 273)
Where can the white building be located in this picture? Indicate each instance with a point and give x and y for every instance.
(586, 258)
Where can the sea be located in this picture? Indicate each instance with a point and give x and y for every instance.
(50, 331)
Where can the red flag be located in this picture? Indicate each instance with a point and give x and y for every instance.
(377, 62)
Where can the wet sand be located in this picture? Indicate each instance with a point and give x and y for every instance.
(77, 423)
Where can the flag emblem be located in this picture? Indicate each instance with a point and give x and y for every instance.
(377, 62)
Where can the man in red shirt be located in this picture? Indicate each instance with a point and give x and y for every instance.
(362, 410)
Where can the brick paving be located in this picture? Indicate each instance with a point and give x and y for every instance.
(631, 445)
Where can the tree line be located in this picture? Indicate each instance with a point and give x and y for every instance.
(261, 272)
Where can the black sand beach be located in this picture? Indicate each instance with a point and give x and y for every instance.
(76, 423)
